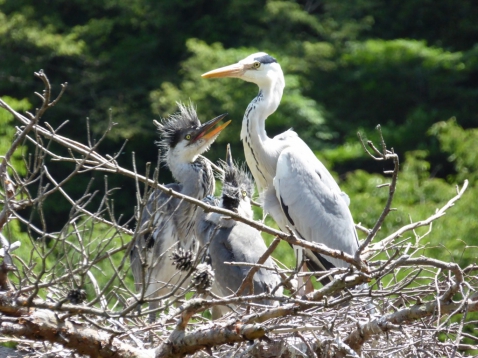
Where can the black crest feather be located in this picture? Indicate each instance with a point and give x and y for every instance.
(235, 180)
(171, 127)
(266, 59)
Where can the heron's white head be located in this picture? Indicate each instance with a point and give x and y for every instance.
(259, 68)
(183, 137)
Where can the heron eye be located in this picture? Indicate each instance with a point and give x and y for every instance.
(244, 193)
(256, 65)
(188, 136)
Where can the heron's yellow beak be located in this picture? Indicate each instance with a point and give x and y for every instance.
(204, 131)
(236, 70)
(216, 130)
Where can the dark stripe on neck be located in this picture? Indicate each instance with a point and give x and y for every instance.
(248, 139)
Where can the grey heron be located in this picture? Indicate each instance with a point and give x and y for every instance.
(170, 220)
(297, 190)
(233, 241)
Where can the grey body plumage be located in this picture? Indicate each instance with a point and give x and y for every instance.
(234, 241)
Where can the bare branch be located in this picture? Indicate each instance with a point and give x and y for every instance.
(438, 214)
(382, 156)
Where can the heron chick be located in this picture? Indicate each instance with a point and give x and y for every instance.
(167, 223)
(233, 241)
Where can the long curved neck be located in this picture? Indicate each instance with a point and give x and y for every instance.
(262, 106)
(260, 152)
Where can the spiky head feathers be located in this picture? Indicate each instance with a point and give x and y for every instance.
(183, 137)
(176, 126)
(237, 186)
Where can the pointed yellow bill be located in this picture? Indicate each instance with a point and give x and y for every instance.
(235, 70)
(216, 130)
(204, 130)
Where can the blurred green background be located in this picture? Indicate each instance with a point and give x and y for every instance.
(410, 66)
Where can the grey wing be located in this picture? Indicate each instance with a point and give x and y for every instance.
(228, 278)
(313, 203)
(205, 222)
(241, 243)
(250, 247)
(157, 225)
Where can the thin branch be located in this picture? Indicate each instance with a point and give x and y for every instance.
(438, 214)
(384, 155)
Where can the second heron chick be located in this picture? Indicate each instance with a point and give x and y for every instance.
(233, 241)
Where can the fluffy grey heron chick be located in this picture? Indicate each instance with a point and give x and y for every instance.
(298, 191)
(234, 241)
(170, 220)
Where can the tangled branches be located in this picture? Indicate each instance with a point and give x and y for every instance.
(73, 289)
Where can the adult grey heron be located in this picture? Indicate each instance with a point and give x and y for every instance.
(233, 241)
(170, 220)
(297, 190)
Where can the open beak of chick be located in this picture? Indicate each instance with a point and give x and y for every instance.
(208, 132)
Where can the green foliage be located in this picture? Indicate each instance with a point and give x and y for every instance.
(31, 33)
(7, 132)
(461, 145)
(404, 85)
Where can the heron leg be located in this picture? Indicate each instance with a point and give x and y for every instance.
(152, 315)
(308, 283)
(299, 267)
